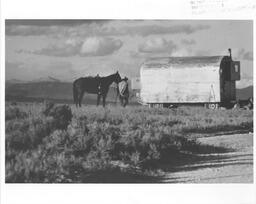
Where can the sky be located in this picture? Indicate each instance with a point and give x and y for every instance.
(68, 49)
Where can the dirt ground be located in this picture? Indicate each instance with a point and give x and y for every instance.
(229, 167)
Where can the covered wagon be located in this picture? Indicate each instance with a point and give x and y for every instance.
(205, 80)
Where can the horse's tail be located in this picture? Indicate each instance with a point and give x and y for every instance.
(75, 93)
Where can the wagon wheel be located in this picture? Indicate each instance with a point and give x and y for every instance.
(213, 106)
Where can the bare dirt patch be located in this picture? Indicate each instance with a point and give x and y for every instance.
(228, 167)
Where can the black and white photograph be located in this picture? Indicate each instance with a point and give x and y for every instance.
(128, 101)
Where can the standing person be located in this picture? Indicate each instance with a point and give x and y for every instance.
(123, 91)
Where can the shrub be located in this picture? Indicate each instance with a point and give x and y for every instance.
(27, 134)
(48, 105)
(53, 146)
(37, 166)
(14, 113)
(61, 114)
(141, 148)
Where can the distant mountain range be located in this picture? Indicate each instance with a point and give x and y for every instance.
(46, 79)
(53, 89)
(244, 93)
(41, 79)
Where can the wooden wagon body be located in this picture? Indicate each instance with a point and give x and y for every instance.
(189, 80)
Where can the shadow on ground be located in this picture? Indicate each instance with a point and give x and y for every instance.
(117, 176)
(205, 156)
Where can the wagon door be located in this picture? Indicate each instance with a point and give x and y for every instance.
(230, 74)
(229, 91)
(235, 71)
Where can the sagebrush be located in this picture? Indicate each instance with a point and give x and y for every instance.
(41, 148)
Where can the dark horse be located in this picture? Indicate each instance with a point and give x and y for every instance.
(95, 85)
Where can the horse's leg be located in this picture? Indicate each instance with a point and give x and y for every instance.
(98, 99)
(121, 100)
(104, 100)
(81, 94)
(125, 101)
(117, 94)
(75, 94)
(77, 102)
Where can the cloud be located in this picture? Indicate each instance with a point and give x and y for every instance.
(85, 28)
(205, 52)
(72, 47)
(67, 48)
(134, 54)
(53, 22)
(242, 54)
(12, 67)
(182, 52)
(155, 29)
(246, 55)
(157, 45)
(61, 66)
(244, 83)
(188, 42)
(55, 28)
(24, 30)
(95, 46)
(62, 70)
(28, 71)
(16, 70)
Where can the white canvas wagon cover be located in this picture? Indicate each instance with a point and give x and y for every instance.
(181, 80)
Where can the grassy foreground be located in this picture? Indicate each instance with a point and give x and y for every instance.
(123, 144)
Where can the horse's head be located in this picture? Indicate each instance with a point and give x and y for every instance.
(117, 77)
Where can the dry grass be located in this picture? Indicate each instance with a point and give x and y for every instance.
(97, 139)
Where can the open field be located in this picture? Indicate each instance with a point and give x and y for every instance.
(115, 144)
